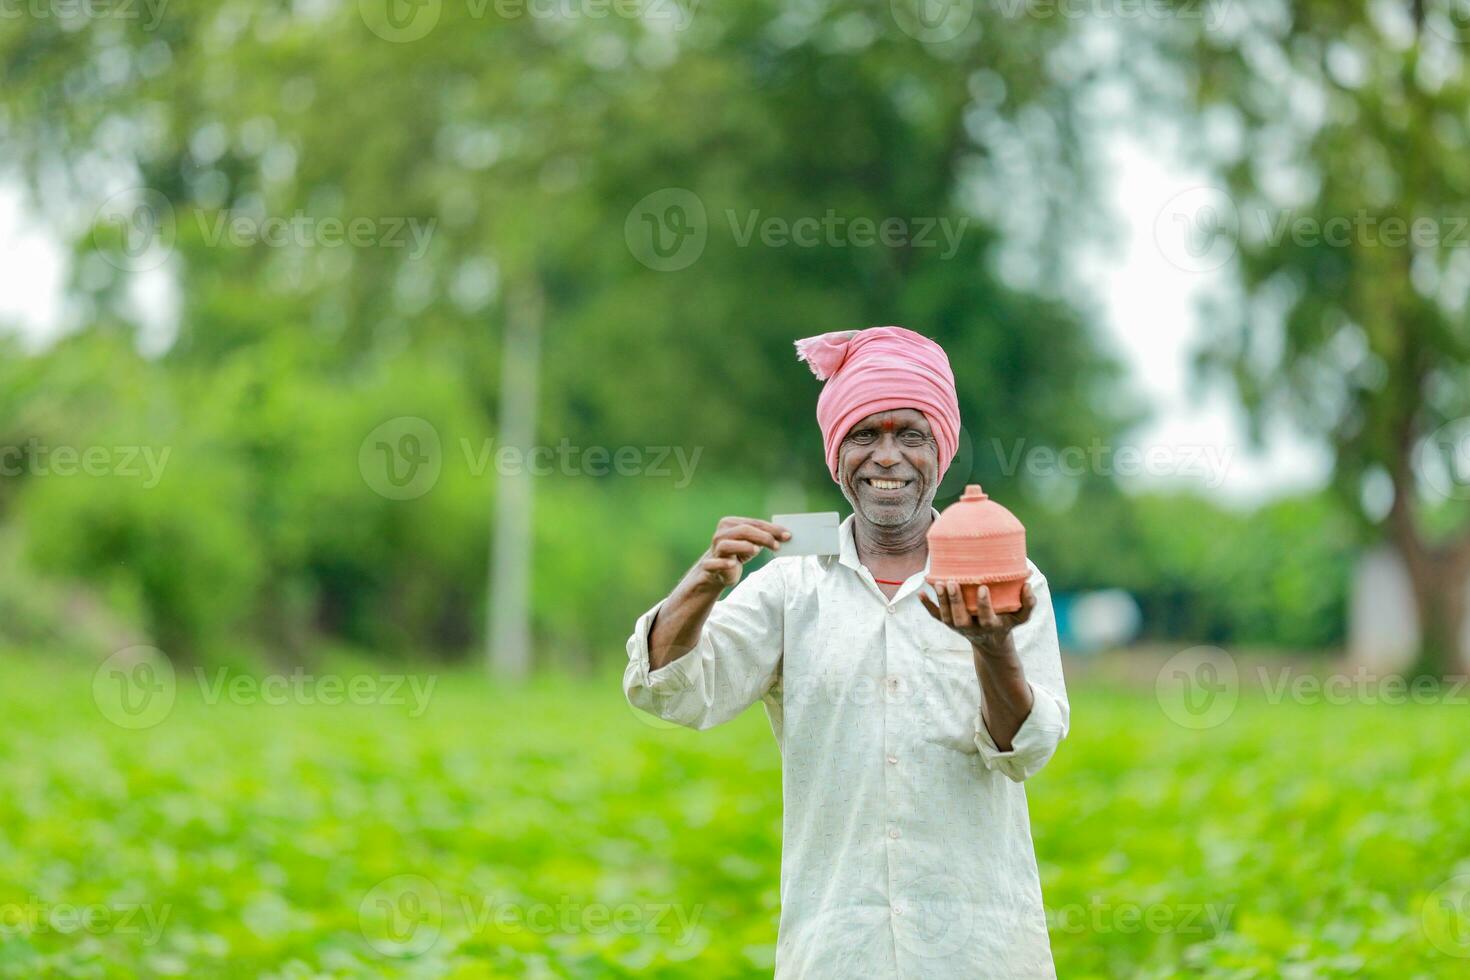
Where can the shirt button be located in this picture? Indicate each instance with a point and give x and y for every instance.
(893, 832)
(890, 609)
(893, 760)
(898, 908)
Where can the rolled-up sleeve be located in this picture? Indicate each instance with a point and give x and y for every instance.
(736, 662)
(1036, 741)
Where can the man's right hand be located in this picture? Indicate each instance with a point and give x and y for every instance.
(677, 625)
(736, 541)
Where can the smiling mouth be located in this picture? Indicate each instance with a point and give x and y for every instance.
(878, 483)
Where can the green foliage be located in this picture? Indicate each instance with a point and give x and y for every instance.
(261, 837)
(235, 499)
(1275, 576)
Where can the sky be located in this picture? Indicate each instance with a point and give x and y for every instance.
(1195, 435)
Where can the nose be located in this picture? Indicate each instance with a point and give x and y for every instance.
(886, 453)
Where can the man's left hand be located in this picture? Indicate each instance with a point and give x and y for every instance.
(988, 631)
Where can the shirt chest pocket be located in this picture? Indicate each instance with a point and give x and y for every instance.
(951, 695)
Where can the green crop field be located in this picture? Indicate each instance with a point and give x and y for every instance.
(462, 830)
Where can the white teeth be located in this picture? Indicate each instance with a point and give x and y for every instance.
(886, 484)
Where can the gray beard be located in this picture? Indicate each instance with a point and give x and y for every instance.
(924, 504)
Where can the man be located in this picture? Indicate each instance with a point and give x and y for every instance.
(906, 723)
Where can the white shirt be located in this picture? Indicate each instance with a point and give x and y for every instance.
(906, 842)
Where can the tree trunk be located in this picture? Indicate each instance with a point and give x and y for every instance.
(1439, 576)
(508, 630)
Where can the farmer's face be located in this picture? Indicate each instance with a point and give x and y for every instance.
(889, 467)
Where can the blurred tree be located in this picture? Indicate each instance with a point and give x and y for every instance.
(526, 149)
(1342, 133)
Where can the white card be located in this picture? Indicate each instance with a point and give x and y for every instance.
(811, 534)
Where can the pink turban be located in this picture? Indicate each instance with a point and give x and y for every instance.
(878, 370)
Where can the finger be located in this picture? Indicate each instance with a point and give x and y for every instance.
(749, 532)
(985, 612)
(774, 530)
(930, 605)
(957, 608)
(946, 615)
(721, 569)
(733, 548)
(1028, 603)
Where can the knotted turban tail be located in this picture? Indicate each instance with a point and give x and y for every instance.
(878, 370)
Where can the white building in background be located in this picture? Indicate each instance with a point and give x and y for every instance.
(1383, 620)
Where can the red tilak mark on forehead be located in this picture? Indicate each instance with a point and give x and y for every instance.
(888, 425)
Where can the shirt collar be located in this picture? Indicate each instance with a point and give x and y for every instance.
(847, 554)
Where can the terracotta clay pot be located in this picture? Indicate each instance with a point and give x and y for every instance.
(978, 542)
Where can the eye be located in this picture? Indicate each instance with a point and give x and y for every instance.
(912, 437)
(863, 436)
